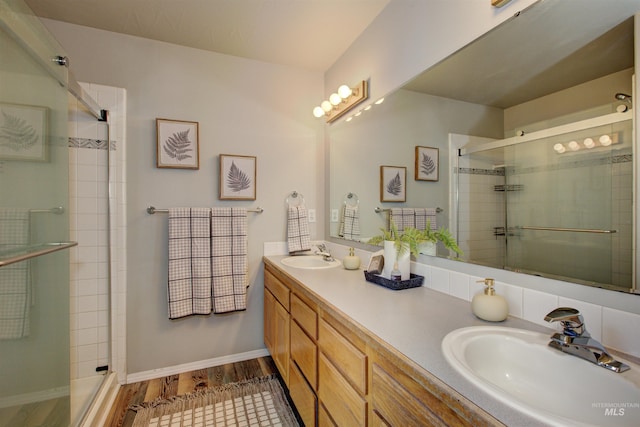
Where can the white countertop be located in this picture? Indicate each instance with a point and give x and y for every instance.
(414, 321)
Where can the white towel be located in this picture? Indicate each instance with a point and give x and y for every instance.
(189, 287)
(349, 223)
(229, 263)
(426, 216)
(15, 279)
(298, 237)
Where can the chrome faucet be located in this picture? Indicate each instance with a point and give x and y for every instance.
(322, 250)
(575, 340)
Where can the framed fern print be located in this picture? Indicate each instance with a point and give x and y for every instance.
(393, 183)
(427, 164)
(237, 177)
(23, 132)
(178, 144)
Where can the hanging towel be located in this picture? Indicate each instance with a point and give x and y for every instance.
(349, 223)
(298, 236)
(189, 287)
(402, 218)
(229, 263)
(15, 279)
(426, 216)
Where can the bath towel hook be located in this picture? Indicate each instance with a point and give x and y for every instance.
(295, 199)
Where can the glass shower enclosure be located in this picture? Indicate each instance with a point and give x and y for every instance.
(34, 227)
(557, 202)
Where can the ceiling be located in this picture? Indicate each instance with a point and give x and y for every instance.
(310, 34)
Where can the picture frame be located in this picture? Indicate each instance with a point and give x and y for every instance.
(177, 144)
(427, 166)
(237, 177)
(24, 132)
(393, 183)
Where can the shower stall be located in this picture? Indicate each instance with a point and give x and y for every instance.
(61, 230)
(555, 202)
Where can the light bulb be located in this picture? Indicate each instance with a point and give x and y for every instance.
(367, 108)
(326, 106)
(605, 140)
(344, 91)
(335, 99)
(588, 142)
(318, 112)
(574, 146)
(559, 148)
(379, 101)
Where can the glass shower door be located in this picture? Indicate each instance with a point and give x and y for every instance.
(569, 203)
(34, 293)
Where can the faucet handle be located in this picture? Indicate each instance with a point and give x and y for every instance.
(571, 320)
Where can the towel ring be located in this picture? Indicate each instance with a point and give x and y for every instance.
(295, 199)
(351, 199)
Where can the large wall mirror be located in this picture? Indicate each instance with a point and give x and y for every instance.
(527, 141)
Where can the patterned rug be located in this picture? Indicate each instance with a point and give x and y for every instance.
(256, 402)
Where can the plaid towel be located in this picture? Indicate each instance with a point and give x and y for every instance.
(402, 218)
(189, 288)
(426, 216)
(298, 236)
(229, 263)
(15, 279)
(349, 223)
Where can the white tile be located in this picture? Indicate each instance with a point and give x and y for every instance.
(459, 285)
(536, 305)
(621, 330)
(514, 297)
(439, 280)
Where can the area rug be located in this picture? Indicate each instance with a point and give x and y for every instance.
(256, 402)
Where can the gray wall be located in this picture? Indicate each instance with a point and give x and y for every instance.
(244, 107)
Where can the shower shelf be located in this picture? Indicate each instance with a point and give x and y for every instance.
(513, 187)
(27, 252)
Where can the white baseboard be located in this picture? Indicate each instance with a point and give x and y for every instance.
(194, 366)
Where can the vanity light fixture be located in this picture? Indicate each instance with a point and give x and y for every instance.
(342, 101)
(604, 140)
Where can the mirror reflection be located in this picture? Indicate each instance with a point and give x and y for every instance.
(507, 124)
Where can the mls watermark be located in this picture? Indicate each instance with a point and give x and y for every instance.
(615, 409)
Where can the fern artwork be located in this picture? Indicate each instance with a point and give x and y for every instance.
(177, 144)
(393, 183)
(22, 132)
(426, 164)
(237, 177)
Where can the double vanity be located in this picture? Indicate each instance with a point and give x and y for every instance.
(355, 353)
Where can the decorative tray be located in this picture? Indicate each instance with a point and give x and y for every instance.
(414, 282)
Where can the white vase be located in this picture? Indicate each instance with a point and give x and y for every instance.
(404, 261)
(427, 248)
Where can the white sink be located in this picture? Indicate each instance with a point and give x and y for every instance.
(313, 262)
(518, 368)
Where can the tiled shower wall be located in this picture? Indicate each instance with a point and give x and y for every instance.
(97, 307)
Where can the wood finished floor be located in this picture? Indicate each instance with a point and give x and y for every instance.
(184, 383)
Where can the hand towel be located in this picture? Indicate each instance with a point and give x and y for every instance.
(229, 264)
(402, 218)
(426, 216)
(350, 223)
(189, 287)
(15, 279)
(298, 237)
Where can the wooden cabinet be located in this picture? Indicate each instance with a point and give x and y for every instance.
(339, 375)
(276, 323)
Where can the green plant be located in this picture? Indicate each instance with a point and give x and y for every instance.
(411, 238)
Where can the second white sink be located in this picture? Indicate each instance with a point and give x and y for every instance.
(518, 368)
(313, 262)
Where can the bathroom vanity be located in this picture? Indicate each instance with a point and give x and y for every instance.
(354, 353)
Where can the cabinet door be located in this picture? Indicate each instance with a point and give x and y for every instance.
(304, 353)
(269, 330)
(302, 396)
(281, 337)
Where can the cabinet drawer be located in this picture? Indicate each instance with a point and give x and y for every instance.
(277, 288)
(302, 396)
(304, 353)
(341, 400)
(351, 361)
(305, 316)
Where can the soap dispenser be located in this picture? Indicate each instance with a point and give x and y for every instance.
(351, 261)
(489, 306)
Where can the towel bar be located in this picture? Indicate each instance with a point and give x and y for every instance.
(574, 230)
(379, 209)
(153, 210)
